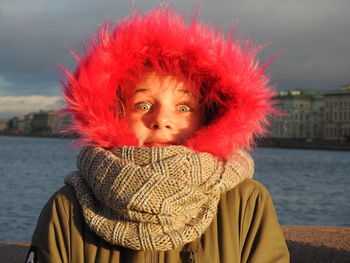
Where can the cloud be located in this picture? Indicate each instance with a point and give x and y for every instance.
(35, 35)
(15, 106)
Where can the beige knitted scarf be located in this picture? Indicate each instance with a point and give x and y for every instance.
(153, 198)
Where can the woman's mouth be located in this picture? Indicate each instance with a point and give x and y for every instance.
(159, 144)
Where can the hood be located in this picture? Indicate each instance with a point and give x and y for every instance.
(223, 69)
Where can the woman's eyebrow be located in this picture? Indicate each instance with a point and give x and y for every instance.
(186, 91)
(141, 91)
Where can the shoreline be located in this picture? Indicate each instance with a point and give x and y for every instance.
(304, 144)
(54, 136)
(264, 142)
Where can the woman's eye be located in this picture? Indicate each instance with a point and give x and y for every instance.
(184, 108)
(143, 106)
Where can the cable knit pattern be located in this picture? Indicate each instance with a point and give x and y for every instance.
(153, 198)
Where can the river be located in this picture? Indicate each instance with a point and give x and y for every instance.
(309, 187)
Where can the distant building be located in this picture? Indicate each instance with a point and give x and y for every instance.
(60, 123)
(303, 114)
(47, 123)
(315, 117)
(9, 125)
(18, 125)
(337, 114)
(42, 123)
(28, 119)
(3, 125)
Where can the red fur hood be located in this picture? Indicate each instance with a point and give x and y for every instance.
(225, 70)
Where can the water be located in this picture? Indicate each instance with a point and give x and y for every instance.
(308, 187)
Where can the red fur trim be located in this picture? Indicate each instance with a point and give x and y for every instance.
(226, 68)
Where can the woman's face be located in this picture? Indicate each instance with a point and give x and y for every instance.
(161, 111)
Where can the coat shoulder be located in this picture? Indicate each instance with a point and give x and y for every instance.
(247, 188)
(64, 198)
(67, 192)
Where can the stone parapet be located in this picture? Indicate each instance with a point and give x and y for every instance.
(318, 244)
(307, 244)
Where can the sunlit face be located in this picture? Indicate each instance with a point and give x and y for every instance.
(161, 111)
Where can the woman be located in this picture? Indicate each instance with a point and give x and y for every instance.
(165, 109)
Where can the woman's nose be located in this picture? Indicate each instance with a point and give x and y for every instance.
(161, 119)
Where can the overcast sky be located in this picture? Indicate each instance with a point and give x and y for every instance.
(35, 35)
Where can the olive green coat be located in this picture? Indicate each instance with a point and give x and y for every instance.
(245, 230)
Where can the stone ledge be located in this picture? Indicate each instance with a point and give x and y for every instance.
(307, 244)
(13, 252)
(321, 244)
